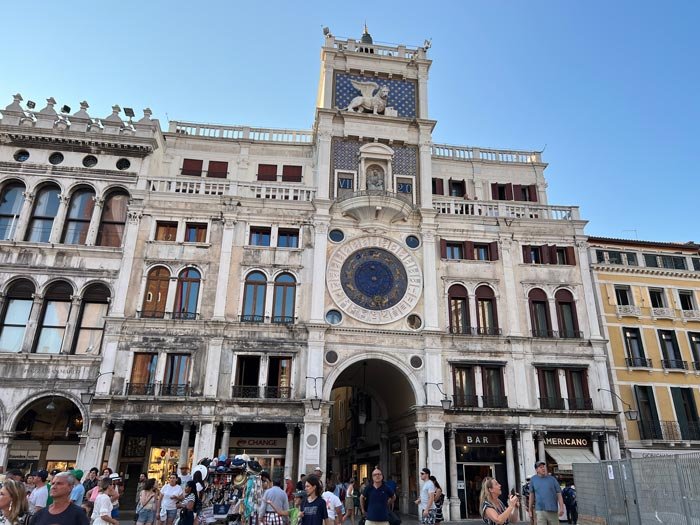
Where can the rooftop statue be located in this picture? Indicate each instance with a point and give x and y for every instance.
(369, 101)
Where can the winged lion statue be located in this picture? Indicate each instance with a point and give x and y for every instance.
(373, 98)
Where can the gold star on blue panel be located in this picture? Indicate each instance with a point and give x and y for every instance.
(402, 93)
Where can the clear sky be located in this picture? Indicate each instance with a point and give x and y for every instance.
(609, 89)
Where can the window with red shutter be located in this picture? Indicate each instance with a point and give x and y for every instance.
(493, 251)
(291, 173)
(509, 192)
(267, 172)
(533, 193)
(527, 258)
(518, 193)
(192, 167)
(570, 256)
(217, 169)
(468, 250)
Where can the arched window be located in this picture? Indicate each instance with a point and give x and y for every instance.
(54, 318)
(45, 210)
(539, 313)
(11, 201)
(18, 306)
(459, 309)
(78, 218)
(254, 298)
(93, 311)
(487, 316)
(566, 314)
(187, 294)
(113, 220)
(156, 293)
(283, 301)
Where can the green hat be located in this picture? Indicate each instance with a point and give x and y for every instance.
(78, 474)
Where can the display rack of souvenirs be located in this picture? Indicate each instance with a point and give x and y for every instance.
(231, 489)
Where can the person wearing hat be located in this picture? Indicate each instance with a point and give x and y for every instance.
(77, 495)
(40, 495)
(547, 497)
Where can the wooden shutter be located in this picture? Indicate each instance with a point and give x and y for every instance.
(517, 192)
(192, 167)
(526, 253)
(494, 191)
(438, 186)
(570, 256)
(533, 193)
(552, 252)
(267, 172)
(291, 173)
(509, 192)
(443, 249)
(217, 169)
(493, 251)
(544, 254)
(468, 247)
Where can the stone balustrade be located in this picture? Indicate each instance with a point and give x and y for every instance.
(289, 136)
(384, 50)
(505, 209)
(254, 190)
(446, 151)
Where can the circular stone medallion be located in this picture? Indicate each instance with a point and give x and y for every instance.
(374, 280)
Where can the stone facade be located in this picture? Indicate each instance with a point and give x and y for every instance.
(308, 297)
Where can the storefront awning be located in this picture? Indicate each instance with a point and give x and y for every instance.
(565, 457)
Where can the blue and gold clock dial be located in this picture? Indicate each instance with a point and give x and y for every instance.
(374, 279)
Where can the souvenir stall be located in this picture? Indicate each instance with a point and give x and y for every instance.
(231, 490)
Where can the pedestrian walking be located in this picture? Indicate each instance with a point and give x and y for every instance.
(375, 500)
(568, 494)
(548, 503)
(426, 501)
(439, 500)
(61, 511)
(492, 509)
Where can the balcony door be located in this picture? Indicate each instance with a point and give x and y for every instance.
(649, 424)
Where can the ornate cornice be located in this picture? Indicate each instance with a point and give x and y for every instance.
(645, 270)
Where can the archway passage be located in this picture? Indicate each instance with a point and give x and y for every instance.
(46, 435)
(373, 424)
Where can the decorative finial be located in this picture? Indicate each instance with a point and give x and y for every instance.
(84, 105)
(116, 109)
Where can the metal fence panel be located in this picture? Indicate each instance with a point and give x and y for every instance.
(590, 490)
(658, 491)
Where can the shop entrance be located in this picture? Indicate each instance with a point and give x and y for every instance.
(469, 486)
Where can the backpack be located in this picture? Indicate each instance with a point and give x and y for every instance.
(343, 494)
(569, 496)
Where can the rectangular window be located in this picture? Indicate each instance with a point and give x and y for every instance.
(455, 250)
(482, 252)
(635, 349)
(670, 351)
(686, 299)
(577, 387)
(291, 173)
(288, 238)
(217, 169)
(649, 424)
(492, 383)
(438, 186)
(502, 192)
(247, 377)
(696, 264)
(459, 315)
(176, 377)
(90, 328)
(267, 172)
(192, 167)
(550, 393)
(671, 262)
(486, 317)
(535, 255)
(464, 386)
(631, 258)
(457, 188)
(279, 375)
(623, 295)
(694, 339)
(195, 232)
(561, 256)
(260, 236)
(656, 296)
(686, 413)
(14, 324)
(166, 231)
(143, 374)
(614, 257)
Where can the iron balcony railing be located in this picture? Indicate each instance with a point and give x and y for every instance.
(465, 400)
(261, 392)
(475, 330)
(570, 334)
(283, 319)
(277, 392)
(494, 401)
(246, 391)
(544, 333)
(158, 389)
(248, 318)
(650, 429)
(696, 365)
(674, 364)
(175, 390)
(638, 362)
(552, 403)
(580, 403)
(188, 316)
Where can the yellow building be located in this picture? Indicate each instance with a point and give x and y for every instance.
(648, 297)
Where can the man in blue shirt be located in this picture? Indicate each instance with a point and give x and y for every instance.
(375, 500)
(548, 502)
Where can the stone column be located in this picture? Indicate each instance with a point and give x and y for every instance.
(121, 287)
(24, 216)
(540, 447)
(588, 292)
(323, 160)
(206, 439)
(71, 325)
(289, 452)
(222, 278)
(185, 443)
(113, 461)
(527, 454)
(423, 92)
(211, 374)
(596, 445)
(552, 305)
(384, 448)
(425, 172)
(510, 463)
(93, 450)
(430, 286)
(435, 457)
(5, 444)
(60, 219)
(225, 440)
(606, 446)
(301, 467)
(318, 286)
(613, 445)
(510, 257)
(95, 221)
(422, 452)
(405, 474)
(324, 450)
(32, 323)
(454, 494)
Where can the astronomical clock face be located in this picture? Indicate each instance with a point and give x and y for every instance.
(374, 280)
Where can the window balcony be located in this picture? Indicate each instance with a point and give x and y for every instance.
(650, 430)
(475, 330)
(691, 315)
(185, 316)
(571, 334)
(580, 403)
(669, 430)
(667, 313)
(628, 310)
(494, 401)
(277, 392)
(175, 390)
(552, 403)
(545, 334)
(674, 364)
(246, 391)
(696, 365)
(283, 319)
(465, 401)
(248, 318)
(638, 362)
(141, 389)
(151, 314)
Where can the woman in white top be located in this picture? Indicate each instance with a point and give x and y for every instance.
(102, 512)
(334, 506)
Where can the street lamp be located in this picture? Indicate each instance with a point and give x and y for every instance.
(315, 401)
(630, 413)
(86, 397)
(446, 402)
